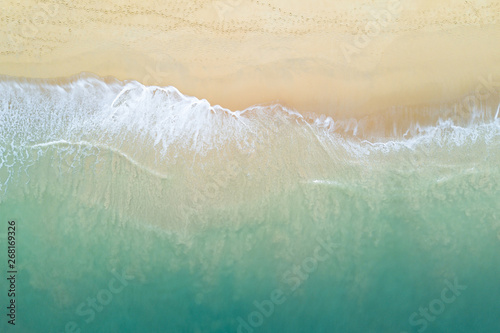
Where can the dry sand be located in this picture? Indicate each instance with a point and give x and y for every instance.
(343, 58)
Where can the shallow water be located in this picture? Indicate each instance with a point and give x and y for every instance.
(140, 209)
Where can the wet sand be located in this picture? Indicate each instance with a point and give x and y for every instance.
(342, 58)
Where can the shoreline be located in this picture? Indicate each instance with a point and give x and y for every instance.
(398, 123)
(327, 59)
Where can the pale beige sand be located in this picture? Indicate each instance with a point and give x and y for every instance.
(343, 57)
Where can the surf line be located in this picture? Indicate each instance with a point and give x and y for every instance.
(98, 145)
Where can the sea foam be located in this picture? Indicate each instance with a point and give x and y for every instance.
(155, 127)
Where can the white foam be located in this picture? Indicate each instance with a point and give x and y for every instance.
(131, 119)
(326, 182)
(102, 146)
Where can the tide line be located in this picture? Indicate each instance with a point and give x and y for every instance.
(102, 146)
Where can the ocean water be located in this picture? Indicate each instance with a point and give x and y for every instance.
(140, 209)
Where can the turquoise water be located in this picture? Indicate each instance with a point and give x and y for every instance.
(139, 209)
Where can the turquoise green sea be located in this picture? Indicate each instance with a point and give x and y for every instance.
(140, 209)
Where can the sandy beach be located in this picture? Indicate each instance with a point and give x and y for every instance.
(341, 58)
(348, 181)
